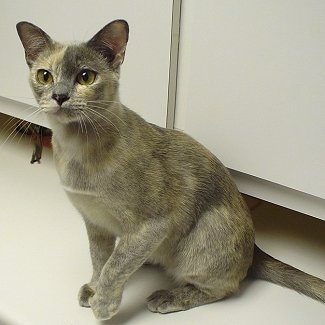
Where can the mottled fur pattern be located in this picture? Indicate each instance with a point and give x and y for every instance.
(167, 198)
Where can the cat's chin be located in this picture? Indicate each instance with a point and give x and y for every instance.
(51, 109)
(59, 114)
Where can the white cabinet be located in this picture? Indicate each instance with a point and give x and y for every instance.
(250, 80)
(145, 72)
(251, 87)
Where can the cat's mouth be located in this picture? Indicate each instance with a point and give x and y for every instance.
(51, 109)
(63, 113)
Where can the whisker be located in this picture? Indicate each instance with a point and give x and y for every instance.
(103, 117)
(13, 131)
(79, 127)
(83, 125)
(94, 127)
(80, 124)
(108, 111)
(9, 125)
(23, 130)
(104, 101)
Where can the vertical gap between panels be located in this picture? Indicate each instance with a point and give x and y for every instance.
(174, 51)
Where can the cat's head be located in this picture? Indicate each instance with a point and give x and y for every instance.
(68, 79)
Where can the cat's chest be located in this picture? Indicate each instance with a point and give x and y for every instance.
(97, 210)
(80, 171)
(87, 186)
(76, 176)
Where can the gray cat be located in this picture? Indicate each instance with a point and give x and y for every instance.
(166, 198)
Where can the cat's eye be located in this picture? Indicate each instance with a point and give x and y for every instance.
(86, 77)
(44, 77)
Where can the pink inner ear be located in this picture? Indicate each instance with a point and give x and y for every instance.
(111, 42)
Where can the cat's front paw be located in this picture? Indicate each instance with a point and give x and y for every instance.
(85, 292)
(103, 307)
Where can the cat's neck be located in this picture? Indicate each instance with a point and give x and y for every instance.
(88, 134)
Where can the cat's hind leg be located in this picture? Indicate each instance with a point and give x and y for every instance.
(180, 298)
(209, 264)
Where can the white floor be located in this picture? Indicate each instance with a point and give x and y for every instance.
(44, 259)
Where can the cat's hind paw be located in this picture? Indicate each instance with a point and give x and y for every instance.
(163, 301)
(177, 299)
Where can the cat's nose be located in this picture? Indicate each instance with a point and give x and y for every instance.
(60, 98)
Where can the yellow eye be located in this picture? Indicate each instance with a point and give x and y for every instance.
(86, 77)
(44, 77)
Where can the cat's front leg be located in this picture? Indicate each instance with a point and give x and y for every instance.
(130, 253)
(101, 246)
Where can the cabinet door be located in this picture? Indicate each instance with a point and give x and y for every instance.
(144, 74)
(251, 87)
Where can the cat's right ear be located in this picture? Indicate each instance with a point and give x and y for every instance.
(34, 40)
(111, 42)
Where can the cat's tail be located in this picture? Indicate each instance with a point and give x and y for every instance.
(267, 268)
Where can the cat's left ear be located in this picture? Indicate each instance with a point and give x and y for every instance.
(111, 42)
(34, 40)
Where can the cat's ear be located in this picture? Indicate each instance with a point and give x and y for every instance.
(34, 40)
(111, 42)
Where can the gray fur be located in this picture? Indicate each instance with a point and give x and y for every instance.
(167, 198)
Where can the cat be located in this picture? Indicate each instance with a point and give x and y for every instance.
(166, 198)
